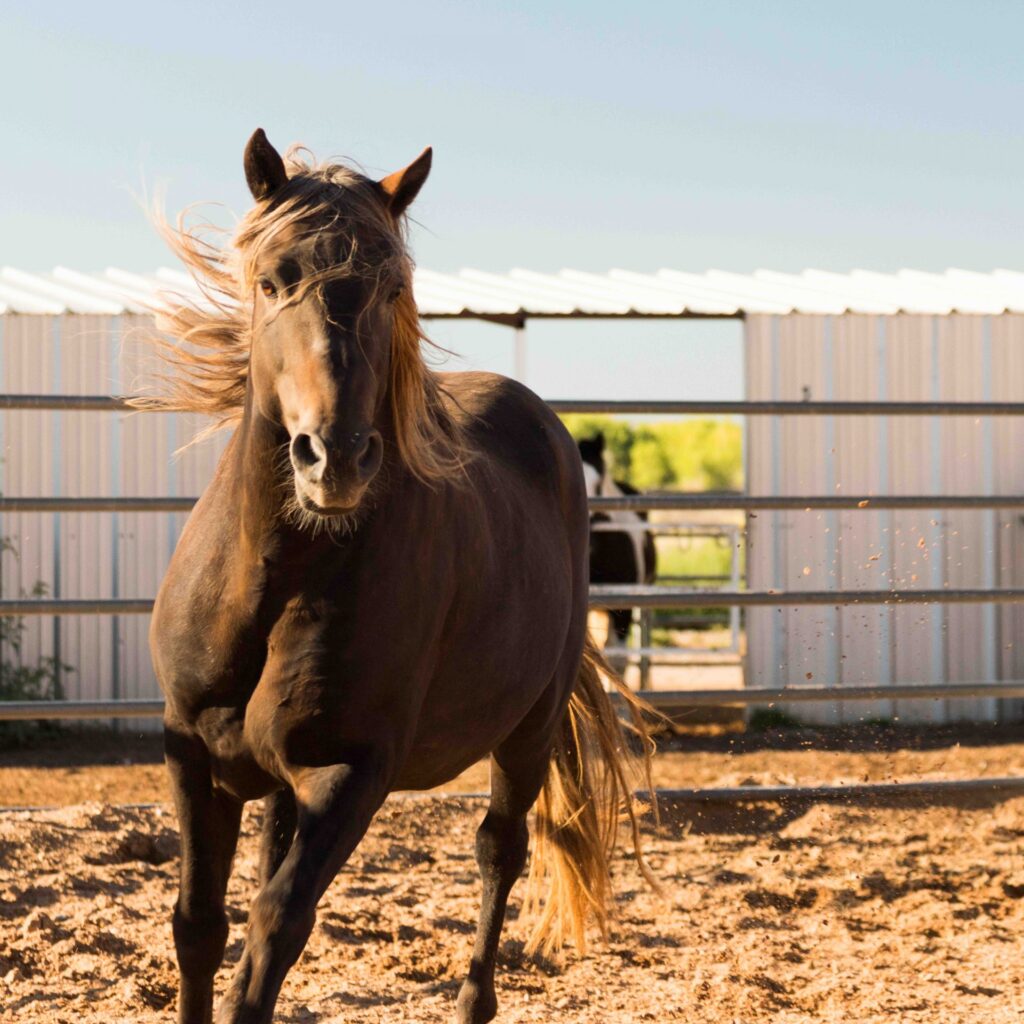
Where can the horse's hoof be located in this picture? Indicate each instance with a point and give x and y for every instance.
(475, 1005)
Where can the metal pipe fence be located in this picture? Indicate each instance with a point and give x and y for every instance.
(668, 702)
(608, 597)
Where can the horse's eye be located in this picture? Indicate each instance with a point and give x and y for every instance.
(267, 287)
(394, 296)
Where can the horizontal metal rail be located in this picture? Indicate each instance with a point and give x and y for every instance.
(103, 403)
(671, 655)
(607, 596)
(663, 700)
(774, 408)
(97, 504)
(797, 503)
(70, 710)
(613, 596)
(858, 791)
(63, 606)
(628, 503)
(806, 694)
(80, 403)
(67, 710)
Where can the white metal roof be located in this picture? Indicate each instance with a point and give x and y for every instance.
(521, 294)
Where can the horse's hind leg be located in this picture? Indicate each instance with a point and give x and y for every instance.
(518, 770)
(209, 823)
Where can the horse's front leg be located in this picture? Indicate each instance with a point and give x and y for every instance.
(209, 823)
(279, 818)
(335, 807)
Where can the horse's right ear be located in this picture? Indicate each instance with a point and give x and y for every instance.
(264, 169)
(599, 441)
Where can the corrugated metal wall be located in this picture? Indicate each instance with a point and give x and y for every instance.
(89, 555)
(791, 357)
(855, 357)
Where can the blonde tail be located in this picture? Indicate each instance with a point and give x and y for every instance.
(591, 781)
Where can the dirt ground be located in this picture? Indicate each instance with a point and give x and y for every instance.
(787, 913)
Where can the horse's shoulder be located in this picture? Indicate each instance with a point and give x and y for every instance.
(511, 426)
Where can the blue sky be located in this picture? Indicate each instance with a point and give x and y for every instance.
(730, 135)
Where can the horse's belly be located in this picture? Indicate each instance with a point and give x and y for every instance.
(477, 700)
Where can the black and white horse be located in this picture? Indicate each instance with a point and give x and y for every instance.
(625, 555)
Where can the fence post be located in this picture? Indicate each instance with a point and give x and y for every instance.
(645, 644)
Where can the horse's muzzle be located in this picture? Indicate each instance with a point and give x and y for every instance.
(331, 478)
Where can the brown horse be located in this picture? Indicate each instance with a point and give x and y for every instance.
(385, 581)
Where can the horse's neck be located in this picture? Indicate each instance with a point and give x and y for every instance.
(609, 488)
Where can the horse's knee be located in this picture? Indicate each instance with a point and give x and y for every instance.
(278, 927)
(501, 846)
(199, 939)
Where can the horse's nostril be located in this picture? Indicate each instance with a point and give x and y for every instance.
(307, 451)
(369, 451)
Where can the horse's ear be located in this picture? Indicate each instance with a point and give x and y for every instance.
(599, 441)
(264, 169)
(402, 187)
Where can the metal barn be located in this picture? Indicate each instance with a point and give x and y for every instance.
(813, 337)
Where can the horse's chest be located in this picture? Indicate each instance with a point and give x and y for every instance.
(206, 658)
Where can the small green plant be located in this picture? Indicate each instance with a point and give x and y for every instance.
(38, 680)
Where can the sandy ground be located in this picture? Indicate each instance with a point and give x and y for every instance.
(831, 914)
(782, 913)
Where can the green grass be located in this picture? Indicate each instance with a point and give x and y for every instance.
(702, 556)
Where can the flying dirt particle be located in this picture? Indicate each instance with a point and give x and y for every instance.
(808, 675)
(807, 570)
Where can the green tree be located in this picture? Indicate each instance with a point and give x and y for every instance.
(618, 437)
(691, 455)
(650, 468)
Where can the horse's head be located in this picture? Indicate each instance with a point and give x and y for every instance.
(592, 454)
(324, 261)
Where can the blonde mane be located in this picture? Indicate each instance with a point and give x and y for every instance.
(206, 344)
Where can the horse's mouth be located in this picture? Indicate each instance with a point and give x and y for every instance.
(328, 506)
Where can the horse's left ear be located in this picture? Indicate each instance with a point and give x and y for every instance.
(402, 187)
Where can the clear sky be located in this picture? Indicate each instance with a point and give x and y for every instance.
(584, 134)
